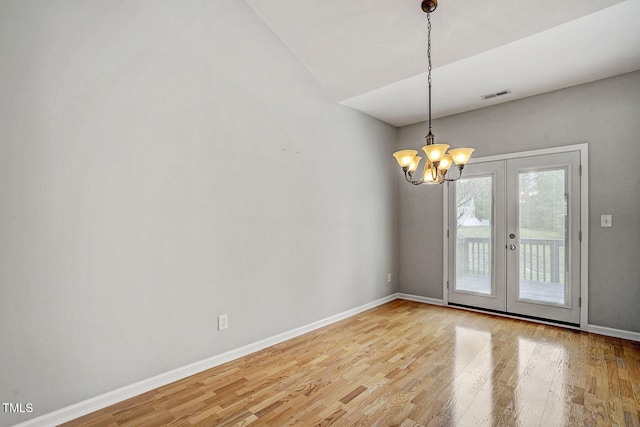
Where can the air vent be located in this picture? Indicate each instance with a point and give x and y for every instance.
(495, 95)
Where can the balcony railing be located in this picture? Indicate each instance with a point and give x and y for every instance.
(541, 260)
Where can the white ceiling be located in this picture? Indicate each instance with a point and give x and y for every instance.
(371, 54)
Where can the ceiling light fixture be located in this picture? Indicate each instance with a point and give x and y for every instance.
(438, 159)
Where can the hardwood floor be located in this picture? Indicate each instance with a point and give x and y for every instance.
(407, 364)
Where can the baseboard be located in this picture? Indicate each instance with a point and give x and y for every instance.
(418, 298)
(601, 330)
(616, 333)
(107, 399)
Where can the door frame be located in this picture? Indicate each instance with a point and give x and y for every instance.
(583, 148)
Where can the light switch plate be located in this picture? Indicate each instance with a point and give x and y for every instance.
(606, 221)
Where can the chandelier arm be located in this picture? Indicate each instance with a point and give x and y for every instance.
(460, 167)
(408, 176)
(435, 172)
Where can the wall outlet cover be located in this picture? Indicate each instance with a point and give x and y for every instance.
(223, 322)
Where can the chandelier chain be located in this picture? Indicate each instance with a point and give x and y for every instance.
(429, 63)
(429, 45)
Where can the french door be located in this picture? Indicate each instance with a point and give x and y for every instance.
(514, 237)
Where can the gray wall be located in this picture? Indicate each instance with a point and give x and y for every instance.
(606, 114)
(163, 162)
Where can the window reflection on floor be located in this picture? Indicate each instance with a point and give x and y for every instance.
(472, 382)
(541, 377)
(514, 388)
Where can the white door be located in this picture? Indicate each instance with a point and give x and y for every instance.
(514, 237)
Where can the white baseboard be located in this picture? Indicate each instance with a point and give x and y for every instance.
(616, 333)
(418, 298)
(601, 330)
(99, 402)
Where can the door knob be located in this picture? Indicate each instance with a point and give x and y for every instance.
(512, 247)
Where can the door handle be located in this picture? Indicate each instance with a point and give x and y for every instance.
(512, 247)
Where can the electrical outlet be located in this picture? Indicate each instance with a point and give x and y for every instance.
(223, 322)
(389, 278)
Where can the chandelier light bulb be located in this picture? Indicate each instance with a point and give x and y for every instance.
(445, 163)
(414, 164)
(430, 175)
(461, 156)
(435, 152)
(405, 157)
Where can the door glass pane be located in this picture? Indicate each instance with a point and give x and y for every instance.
(474, 233)
(542, 234)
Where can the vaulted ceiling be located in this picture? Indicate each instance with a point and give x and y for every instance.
(371, 54)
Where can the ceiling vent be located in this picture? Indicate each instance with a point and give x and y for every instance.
(495, 95)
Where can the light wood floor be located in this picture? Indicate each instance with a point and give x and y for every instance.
(407, 364)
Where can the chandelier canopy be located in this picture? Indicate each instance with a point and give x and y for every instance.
(439, 160)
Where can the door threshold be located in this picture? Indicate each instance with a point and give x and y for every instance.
(567, 325)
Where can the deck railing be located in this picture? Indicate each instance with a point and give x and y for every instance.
(541, 260)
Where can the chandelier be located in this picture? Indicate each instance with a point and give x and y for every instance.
(439, 160)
